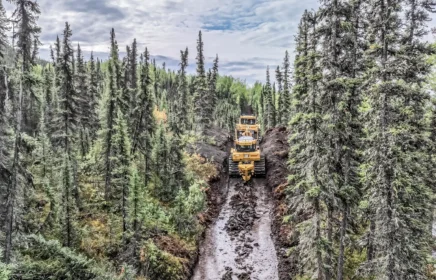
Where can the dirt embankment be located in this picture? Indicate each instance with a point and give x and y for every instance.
(276, 148)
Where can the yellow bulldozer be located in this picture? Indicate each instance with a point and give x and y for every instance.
(246, 159)
(248, 122)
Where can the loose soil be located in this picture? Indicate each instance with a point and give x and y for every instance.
(246, 238)
(239, 244)
(275, 146)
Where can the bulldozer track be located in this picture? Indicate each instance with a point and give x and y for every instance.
(260, 167)
(233, 168)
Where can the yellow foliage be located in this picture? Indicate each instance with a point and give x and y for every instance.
(201, 168)
(95, 238)
(161, 116)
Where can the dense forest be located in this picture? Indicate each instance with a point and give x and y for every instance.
(93, 162)
(96, 180)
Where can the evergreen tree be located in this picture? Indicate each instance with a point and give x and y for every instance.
(132, 84)
(399, 191)
(57, 62)
(26, 14)
(4, 28)
(113, 92)
(301, 76)
(64, 135)
(182, 105)
(349, 128)
(48, 106)
(212, 84)
(263, 110)
(271, 112)
(280, 107)
(93, 96)
(27, 36)
(202, 102)
(84, 103)
(286, 96)
(125, 85)
(144, 120)
(13, 176)
(121, 171)
(136, 193)
(160, 155)
(44, 154)
(306, 155)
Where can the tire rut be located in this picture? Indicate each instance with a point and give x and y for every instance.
(239, 244)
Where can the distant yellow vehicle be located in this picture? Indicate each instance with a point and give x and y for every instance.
(248, 122)
(246, 159)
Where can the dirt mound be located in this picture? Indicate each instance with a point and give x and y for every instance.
(276, 149)
(240, 224)
(243, 205)
(214, 148)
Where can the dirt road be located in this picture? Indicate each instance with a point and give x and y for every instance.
(239, 244)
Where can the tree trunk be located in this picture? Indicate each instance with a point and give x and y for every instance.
(12, 187)
(317, 240)
(343, 233)
(329, 255)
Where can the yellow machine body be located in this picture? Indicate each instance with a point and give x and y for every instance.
(248, 123)
(246, 159)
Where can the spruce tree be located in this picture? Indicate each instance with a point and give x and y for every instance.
(350, 128)
(286, 96)
(202, 102)
(306, 155)
(13, 174)
(213, 84)
(48, 106)
(132, 78)
(271, 112)
(93, 96)
(44, 154)
(125, 85)
(280, 107)
(113, 91)
(84, 103)
(144, 126)
(27, 36)
(4, 28)
(121, 171)
(182, 103)
(160, 155)
(65, 134)
(400, 193)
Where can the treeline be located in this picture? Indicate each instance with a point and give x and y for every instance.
(362, 145)
(94, 179)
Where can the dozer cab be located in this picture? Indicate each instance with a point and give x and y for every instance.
(248, 122)
(246, 159)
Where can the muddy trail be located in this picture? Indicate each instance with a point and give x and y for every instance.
(239, 245)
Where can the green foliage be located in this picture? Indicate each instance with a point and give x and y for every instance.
(186, 206)
(44, 259)
(160, 264)
(5, 270)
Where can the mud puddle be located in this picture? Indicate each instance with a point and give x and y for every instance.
(239, 244)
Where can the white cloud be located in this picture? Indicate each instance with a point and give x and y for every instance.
(254, 31)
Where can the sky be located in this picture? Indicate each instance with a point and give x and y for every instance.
(247, 35)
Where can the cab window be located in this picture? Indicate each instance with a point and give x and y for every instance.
(250, 148)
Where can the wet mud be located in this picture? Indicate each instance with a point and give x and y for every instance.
(239, 244)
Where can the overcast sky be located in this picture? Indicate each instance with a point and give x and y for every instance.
(247, 35)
